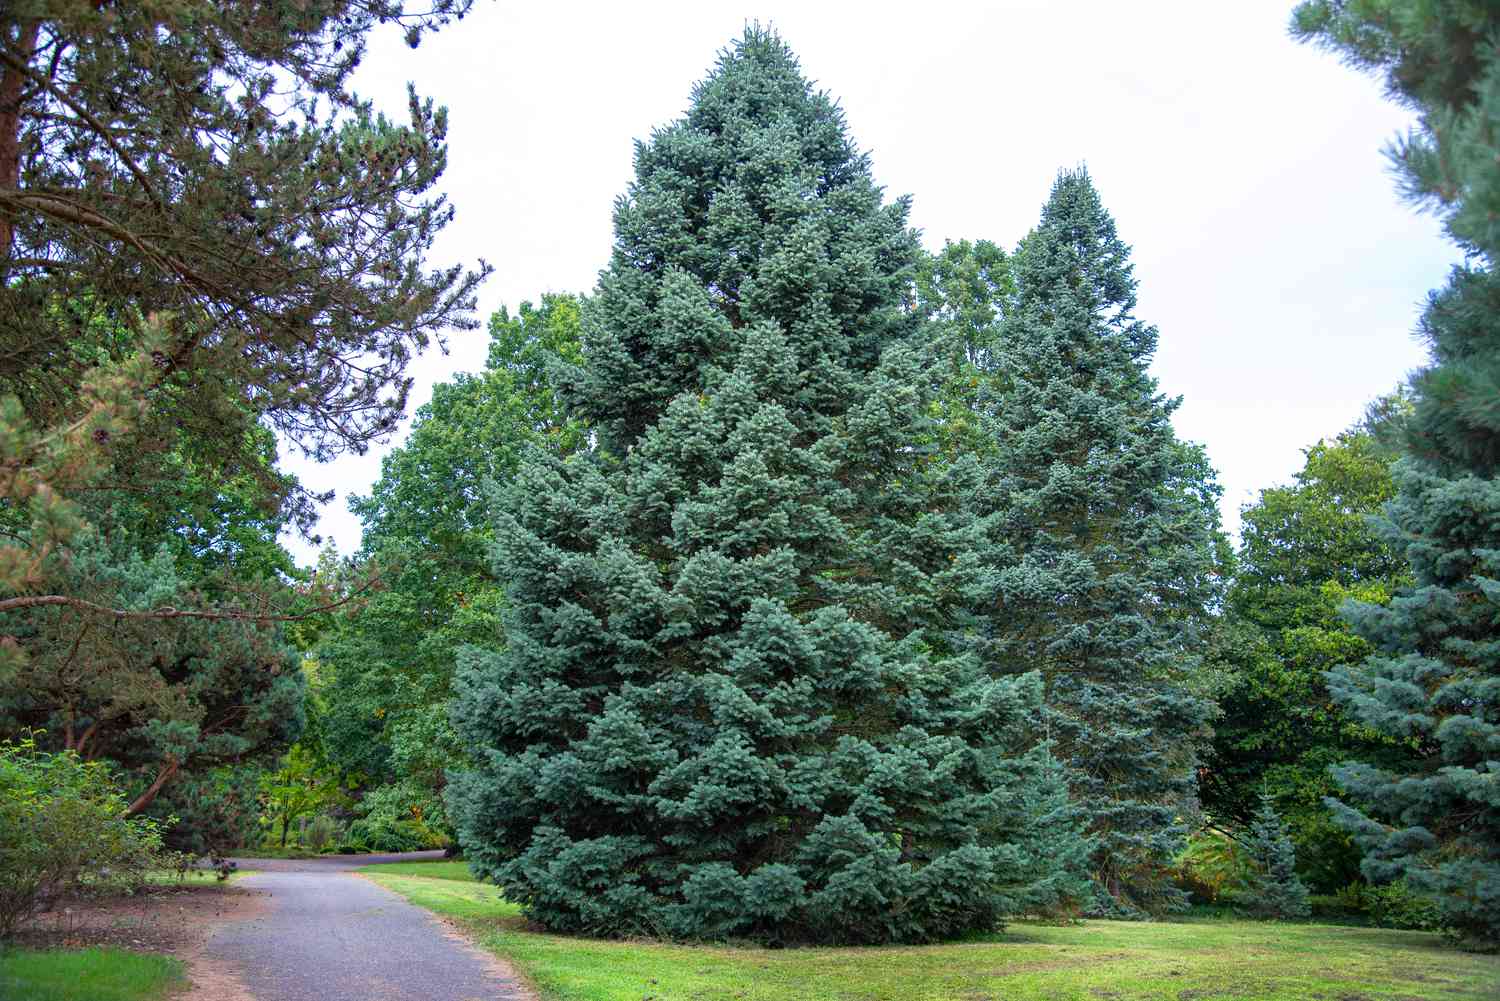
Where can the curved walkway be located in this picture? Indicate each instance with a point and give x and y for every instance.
(330, 936)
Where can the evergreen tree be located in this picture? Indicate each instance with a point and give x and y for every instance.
(164, 701)
(1099, 559)
(1277, 891)
(1434, 680)
(727, 704)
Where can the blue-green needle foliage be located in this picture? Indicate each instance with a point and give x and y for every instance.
(1434, 682)
(727, 705)
(1277, 891)
(1099, 557)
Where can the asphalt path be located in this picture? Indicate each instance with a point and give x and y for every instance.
(330, 935)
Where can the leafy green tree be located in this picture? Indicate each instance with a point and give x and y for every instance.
(964, 291)
(1100, 555)
(300, 786)
(427, 524)
(1433, 681)
(1306, 548)
(207, 241)
(1276, 891)
(728, 703)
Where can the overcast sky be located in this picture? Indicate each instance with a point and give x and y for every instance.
(1244, 169)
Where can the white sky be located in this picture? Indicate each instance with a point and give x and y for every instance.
(1245, 170)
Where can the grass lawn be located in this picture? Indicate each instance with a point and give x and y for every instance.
(432, 870)
(87, 975)
(1193, 960)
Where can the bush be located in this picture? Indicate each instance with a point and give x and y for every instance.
(63, 826)
(401, 817)
(321, 833)
(384, 834)
(1394, 905)
(1212, 867)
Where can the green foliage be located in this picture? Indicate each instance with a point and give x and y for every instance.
(1433, 680)
(1212, 864)
(246, 156)
(300, 786)
(217, 809)
(62, 822)
(426, 524)
(1434, 684)
(321, 834)
(207, 242)
(1393, 905)
(404, 812)
(1099, 551)
(159, 698)
(1306, 548)
(1275, 890)
(729, 703)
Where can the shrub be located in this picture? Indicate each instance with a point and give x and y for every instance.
(1213, 866)
(401, 817)
(1394, 905)
(63, 826)
(384, 834)
(321, 833)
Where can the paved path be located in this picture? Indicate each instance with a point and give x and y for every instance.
(331, 936)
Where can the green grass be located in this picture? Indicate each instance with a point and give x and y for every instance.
(87, 975)
(432, 870)
(1191, 960)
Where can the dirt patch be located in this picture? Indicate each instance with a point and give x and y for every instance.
(166, 919)
(169, 920)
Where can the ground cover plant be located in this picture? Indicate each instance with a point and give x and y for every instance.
(87, 975)
(1031, 961)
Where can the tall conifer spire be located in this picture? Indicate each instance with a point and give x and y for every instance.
(727, 705)
(1100, 554)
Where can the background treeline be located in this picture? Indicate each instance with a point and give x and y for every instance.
(794, 584)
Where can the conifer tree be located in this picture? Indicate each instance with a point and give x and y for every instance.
(1278, 891)
(728, 704)
(1434, 681)
(1101, 545)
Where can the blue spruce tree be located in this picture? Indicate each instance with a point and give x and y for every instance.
(1277, 891)
(728, 703)
(1101, 543)
(1434, 684)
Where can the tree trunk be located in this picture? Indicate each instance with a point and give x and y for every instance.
(12, 85)
(144, 799)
